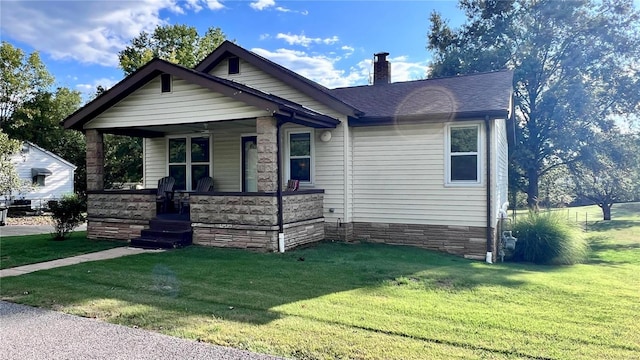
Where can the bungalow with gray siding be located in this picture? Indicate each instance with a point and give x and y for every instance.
(420, 163)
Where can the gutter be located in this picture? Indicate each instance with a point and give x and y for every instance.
(489, 256)
(279, 124)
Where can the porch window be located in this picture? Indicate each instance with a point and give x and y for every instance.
(300, 156)
(189, 160)
(463, 154)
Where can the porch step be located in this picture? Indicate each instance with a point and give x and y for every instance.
(169, 225)
(164, 234)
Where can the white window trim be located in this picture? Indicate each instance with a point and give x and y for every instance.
(480, 153)
(287, 158)
(188, 162)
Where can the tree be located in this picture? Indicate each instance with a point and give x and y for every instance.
(180, 44)
(21, 78)
(10, 181)
(575, 69)
(609, 171)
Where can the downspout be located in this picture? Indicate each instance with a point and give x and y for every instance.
(281, 245)
(489, 257)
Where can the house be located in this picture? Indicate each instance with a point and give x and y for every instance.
(51, 176)
(420, 163)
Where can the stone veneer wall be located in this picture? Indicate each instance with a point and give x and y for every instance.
(250, 221)
(467, 241)
(119, 214)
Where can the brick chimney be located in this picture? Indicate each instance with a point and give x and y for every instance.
(381, 69)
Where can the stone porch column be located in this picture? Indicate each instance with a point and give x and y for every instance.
(266, 128)
(95, 160)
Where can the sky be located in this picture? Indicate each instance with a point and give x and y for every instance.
(330, 42)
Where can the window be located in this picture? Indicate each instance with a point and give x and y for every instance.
(300, 156)
(234, 65)
(463, 154)
(165, 82)
(189, 160)
(38, 180)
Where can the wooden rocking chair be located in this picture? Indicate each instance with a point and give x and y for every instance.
(164, 196)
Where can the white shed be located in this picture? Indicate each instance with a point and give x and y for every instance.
(51, 175)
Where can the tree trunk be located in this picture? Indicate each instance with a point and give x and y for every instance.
(606, 210)
(532, 190)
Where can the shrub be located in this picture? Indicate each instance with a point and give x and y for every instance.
(67, 214)
(548, 238)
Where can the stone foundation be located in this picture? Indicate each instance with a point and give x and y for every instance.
(339, 232)
(236, 236)
(115, 229)
(467, 241)
(302, 233)
(119, 214)
(250, 220)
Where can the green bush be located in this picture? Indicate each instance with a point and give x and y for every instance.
(548, 238)
(67, 214)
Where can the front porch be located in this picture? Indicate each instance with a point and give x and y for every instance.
(222, 219)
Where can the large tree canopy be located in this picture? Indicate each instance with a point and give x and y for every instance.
(575, 67)
(180, 44)
(609, 171)
(21, 78)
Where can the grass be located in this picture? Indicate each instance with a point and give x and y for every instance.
(366, 301)
(22, 250)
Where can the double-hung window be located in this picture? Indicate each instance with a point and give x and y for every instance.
(189, 160)
(463, 154)
(300, 156)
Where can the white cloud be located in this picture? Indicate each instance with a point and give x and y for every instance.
(90, 32)
(214, 5)
(305, 41)
(404, 70)
(321, 69)
(349, 50)
(89, 90)
(262, 4)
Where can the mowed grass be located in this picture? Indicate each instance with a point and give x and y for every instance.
(366, 301)
(22, 250)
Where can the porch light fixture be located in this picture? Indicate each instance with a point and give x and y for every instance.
(325, 136)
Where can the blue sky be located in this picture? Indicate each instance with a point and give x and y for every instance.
(331, 42)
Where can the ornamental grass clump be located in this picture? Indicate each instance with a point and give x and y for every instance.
(548, 238)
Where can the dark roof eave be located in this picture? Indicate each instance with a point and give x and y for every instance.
(310, 120)
(427, 118)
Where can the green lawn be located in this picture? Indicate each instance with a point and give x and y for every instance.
(366, 301)
(22, 250)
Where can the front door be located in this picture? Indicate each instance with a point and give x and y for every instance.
(249, 164)
(189, 160)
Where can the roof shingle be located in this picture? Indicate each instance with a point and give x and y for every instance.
(454, 96)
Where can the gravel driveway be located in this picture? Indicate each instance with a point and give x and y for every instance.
(31, 333)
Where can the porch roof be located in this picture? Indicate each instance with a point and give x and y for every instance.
(280, 108)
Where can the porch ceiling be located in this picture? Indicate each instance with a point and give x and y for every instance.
(245, 125)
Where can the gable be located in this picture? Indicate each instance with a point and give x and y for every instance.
(185, 103)
(252, 76)
(301, 84)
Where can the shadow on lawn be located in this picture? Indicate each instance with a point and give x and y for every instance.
(242, 286)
